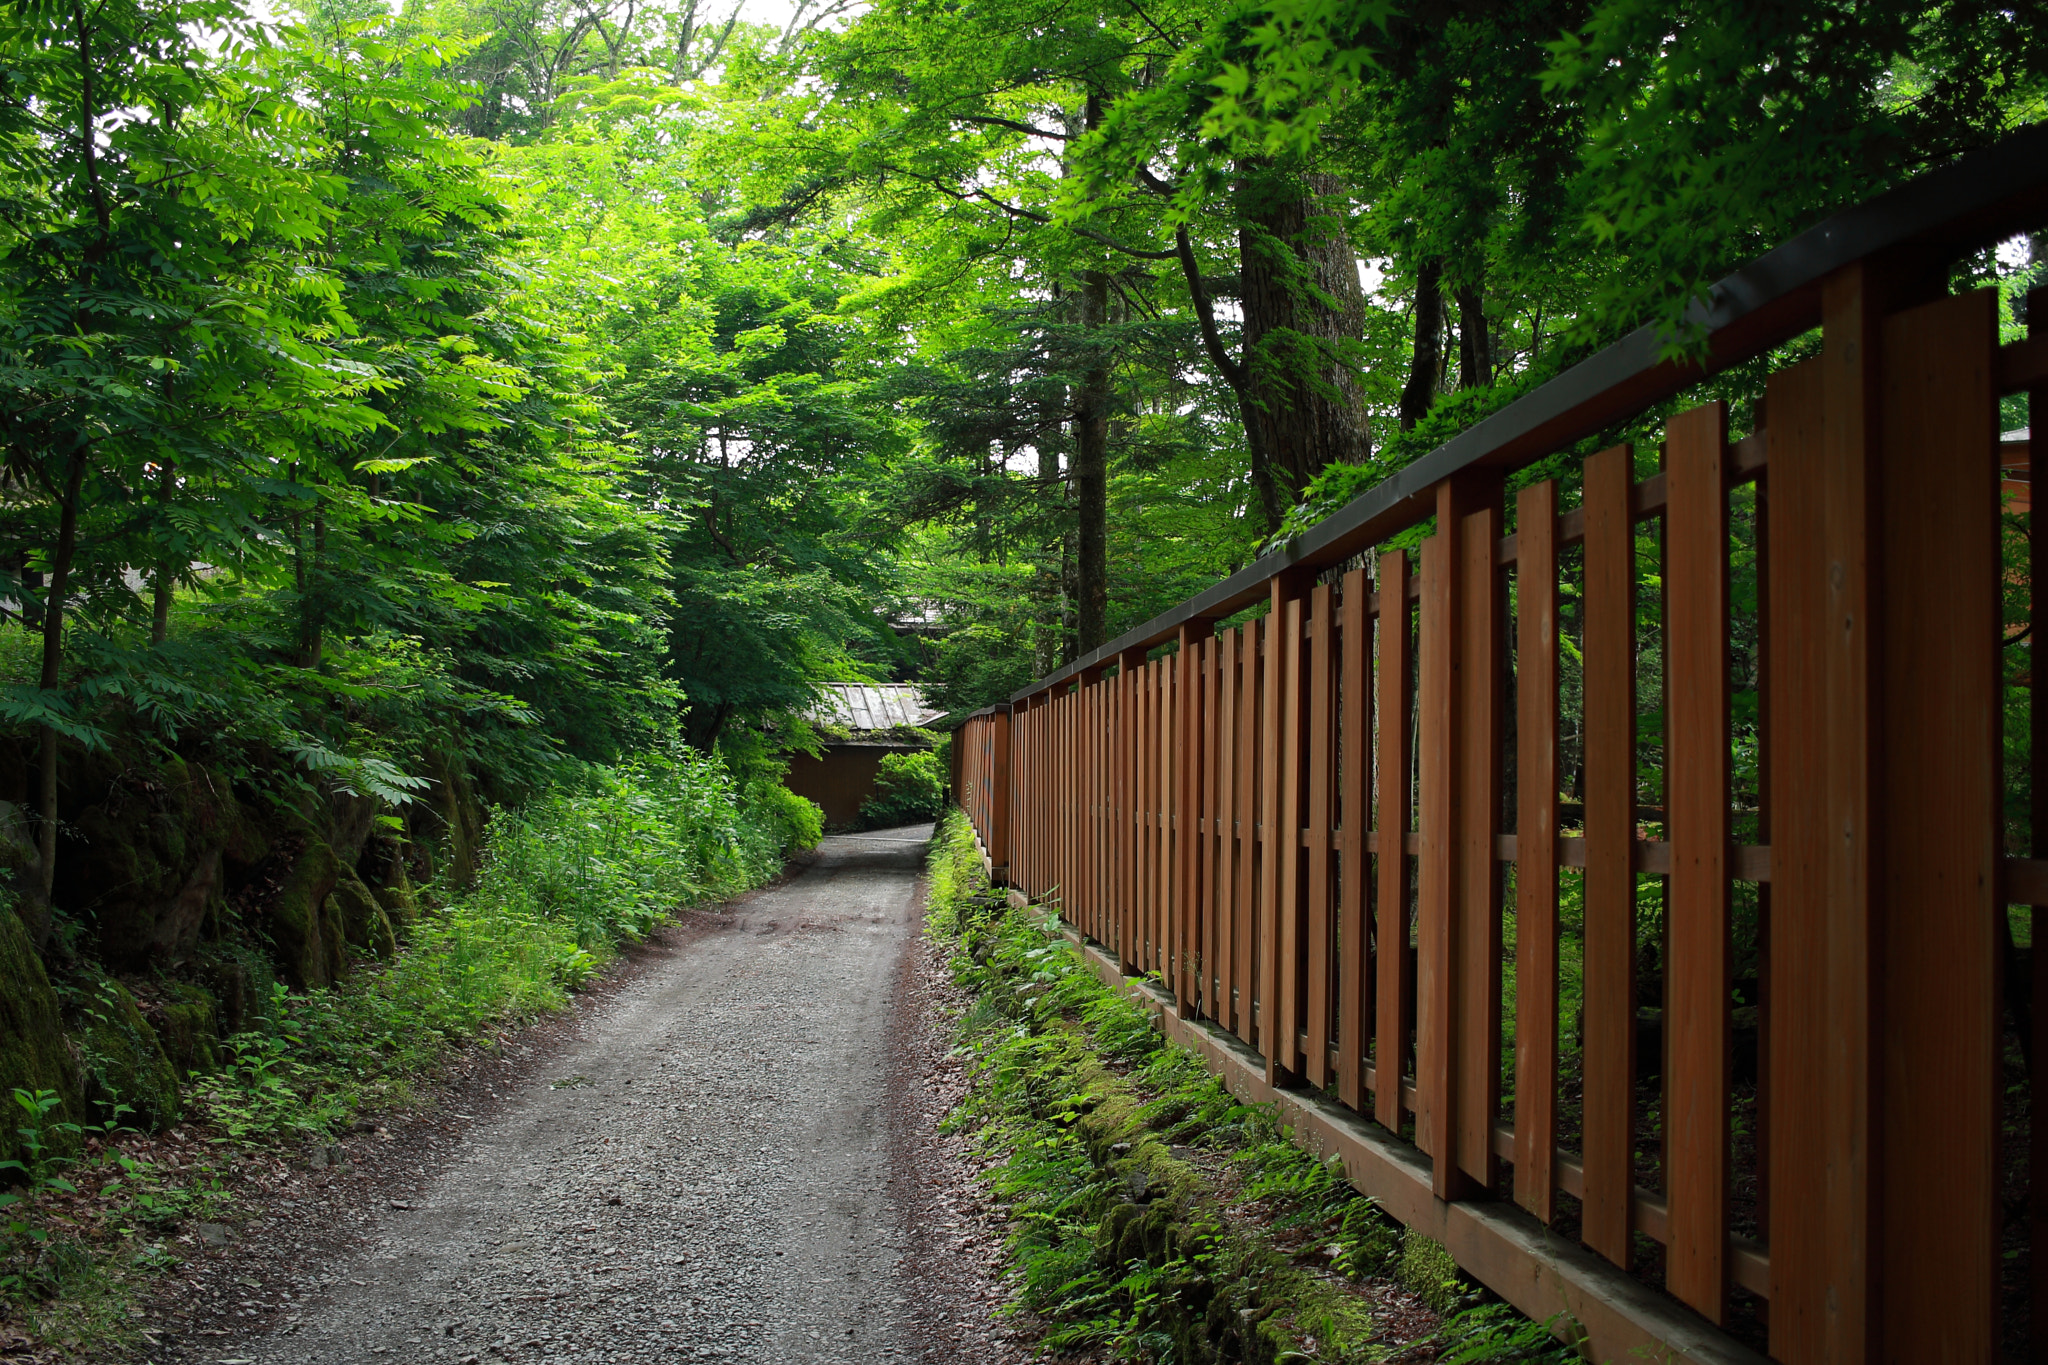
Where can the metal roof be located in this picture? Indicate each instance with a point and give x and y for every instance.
(872, 706)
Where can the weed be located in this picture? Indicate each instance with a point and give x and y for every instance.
(1117, 1244)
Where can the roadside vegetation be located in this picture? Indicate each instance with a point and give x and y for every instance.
(1153, 1217)
(566, 881)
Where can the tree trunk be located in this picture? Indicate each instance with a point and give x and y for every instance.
(312, 612)
(37, 917)
(1427, 362)
(1475, 343)
(166, 571)
(1302, 312)
(1091, 467)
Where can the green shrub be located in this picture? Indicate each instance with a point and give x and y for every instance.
(909, 789)
(795, 823)
(566, 879)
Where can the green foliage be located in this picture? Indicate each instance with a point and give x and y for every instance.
(566, 880)
(1077, 1100)
(910, 788)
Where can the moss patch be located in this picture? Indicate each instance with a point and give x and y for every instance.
(123, 1060)
(188, 1025)
(1156, 1218)
(33, 1053)
(363, 920)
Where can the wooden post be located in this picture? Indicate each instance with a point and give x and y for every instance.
(1354, 777)
(2037, 700)
(1391, 913)
(1536, 848)
(1193, 759)
(1321, 732)
(1699, 973)
(999, 796)
(1607, 1014)
(1937, 828)
(1460, 904)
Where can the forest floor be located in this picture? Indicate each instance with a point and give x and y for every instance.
(727, 1152)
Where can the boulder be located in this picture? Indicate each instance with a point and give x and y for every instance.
(458, 817)
(362, 916)
(142, 857)
(383, 869)
(33, 1053)
(242, 983)
(293, 892)
(187, 1022)
(123, 1060)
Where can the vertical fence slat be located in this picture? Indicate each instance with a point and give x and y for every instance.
(1390, 1045)
(1436, 889)
(1250, 713)
(1475, 942)
(1292, 949)
(1322, 755)
(2037, 698)
(1536, 847)
(1608, 1008)
(1354, 768)
(1274, 1040)
(1205, 823)
(1700, 972)
(1799, 838)
(1187, 808)
(1937, 828)
(1226, 808)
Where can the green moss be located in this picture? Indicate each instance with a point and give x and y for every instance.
(1429, 1272)
(123, 1060)
(1125, 1242)
(363, 919)
(33, 1053)
(243, 984)
(306, 925)
(188, 1026)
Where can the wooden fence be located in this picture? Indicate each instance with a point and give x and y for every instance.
(1742, 1034)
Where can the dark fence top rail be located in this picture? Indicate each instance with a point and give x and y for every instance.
(1976, 201)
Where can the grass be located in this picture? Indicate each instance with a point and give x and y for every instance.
(567, 881)
(1154, 1218)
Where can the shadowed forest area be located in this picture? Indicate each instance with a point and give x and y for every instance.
(449, 445)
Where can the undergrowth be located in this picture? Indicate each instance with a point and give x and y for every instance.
(566, 881)
(1155, 1217)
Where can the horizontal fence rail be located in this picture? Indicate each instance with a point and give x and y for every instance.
(1636, 848)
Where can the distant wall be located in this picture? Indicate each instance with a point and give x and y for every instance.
(841, 780)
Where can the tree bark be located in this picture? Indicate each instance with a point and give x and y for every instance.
(166, 571)
(1427, 362)
(1475, 343)
(38, 916)
(1302, 310)
(1091, 466)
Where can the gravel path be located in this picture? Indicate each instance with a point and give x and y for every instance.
(703, 1172)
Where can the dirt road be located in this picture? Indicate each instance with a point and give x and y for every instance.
(702, 1171)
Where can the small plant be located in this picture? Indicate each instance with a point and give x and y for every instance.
(909, 788)
(42, 1173)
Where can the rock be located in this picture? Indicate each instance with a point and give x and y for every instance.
(453, 807)
(33, 1053)
(362, 917)
(383, 869)
(295, 887)
(211, 1234)
(188, 1025)
(143, 855)
(243, 984)
(123, 1060)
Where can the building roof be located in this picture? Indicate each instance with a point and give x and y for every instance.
(872, 706)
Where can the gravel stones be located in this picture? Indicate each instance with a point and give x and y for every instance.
(702, 1172)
